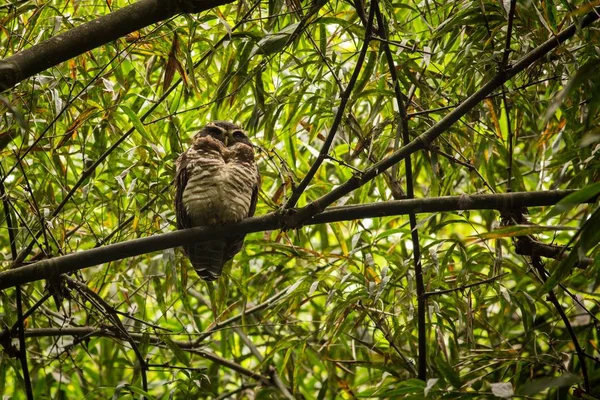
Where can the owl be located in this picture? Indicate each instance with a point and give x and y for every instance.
(217, 182)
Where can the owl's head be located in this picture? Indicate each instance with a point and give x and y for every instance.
(225, 132)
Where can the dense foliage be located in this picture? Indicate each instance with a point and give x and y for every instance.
(325, 311)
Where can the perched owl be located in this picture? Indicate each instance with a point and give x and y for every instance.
(217, 182)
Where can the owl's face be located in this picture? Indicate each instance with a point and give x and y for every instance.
(225, 132)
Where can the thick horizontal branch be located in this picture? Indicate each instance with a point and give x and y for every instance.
(95, 33)
(53, 267)
(500, 202)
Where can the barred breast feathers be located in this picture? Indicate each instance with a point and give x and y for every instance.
(221, 181)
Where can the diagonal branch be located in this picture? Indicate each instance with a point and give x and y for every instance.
(110, 312)
(338, 116)
(93, 34)
(424, 140)
(52, 268)
(272, 372)
(464, 287)
(537, 264)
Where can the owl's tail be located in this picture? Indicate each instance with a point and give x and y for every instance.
(207, 258)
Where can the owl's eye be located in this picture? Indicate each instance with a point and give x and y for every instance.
(213, 130)
(239, 135)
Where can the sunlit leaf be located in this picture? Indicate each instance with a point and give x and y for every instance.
(574, 199)
(538, 385)
(523, 230)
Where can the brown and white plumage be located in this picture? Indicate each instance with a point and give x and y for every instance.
(217, 182)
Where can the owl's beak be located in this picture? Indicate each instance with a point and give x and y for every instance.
(226, 139)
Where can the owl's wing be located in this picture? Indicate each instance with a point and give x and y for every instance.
(254, 197)
(207, 256)
(181, 179)
(235, 243)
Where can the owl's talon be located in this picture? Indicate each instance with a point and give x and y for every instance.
(295, 218)
(286, 218)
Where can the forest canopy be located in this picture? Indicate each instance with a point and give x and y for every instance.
(426, 224)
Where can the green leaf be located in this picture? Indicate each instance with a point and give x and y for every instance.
(274, 42)
(179, 354)
(564, 268)
(522, 230)
(402, 388)
(539, 385)
(590, 234)
(583, 73)
(140, 391)
(448, 372)
(574, 199)
(551, 14)
(137, 123)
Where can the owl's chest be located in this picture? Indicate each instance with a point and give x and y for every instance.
(219, 192)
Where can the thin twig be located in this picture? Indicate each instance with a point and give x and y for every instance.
(33, 308)
(466, 164)
(412, 49)
(461, 288)
(403, 129)
(576, 300)
(229, 395)
(537, 263)
(76, 261)
(129, 220)
(491, 96)
(232, 366)
(219, 325)
(509, 29)
(382, 326)
(20, 317)
(37, 213)
(503, 66)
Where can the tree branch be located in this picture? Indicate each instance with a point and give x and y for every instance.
(110, 312)
(95, 33)
(53, 267)
(423, 140)
(277, 382)
(107, 330)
